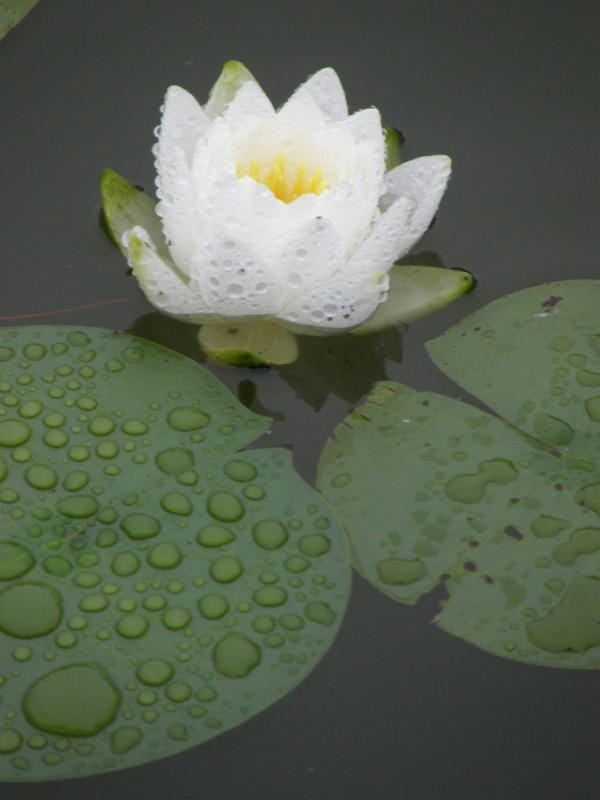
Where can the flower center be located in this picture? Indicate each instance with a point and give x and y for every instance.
(277, 182)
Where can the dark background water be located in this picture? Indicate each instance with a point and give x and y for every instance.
(397, 708)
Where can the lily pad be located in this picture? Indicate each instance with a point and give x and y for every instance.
(431, 489)
(156, 586)
(12, 12)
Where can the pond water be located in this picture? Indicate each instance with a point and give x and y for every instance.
(397, 708)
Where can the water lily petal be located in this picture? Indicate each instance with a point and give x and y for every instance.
(309, 256)
(342, 205)
(249, 212)
(160, 281)
(423, 180)
(250, 103)
(325, 88)
(365, 127)
(337, 305)
(336, 148)
(176, 206)
(301, 112)
(390, 238)
(233, 279)
(183, 122)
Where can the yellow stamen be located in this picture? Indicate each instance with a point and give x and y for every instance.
(276, 181)
(298, 187)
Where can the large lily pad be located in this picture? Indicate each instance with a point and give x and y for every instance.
(430, 488)
(156, 588)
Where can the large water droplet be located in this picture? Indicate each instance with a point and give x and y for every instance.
(315, 544)
(13, 433)
(154, 672)
(178, 692)
(57, 565)
(132, 626)
(471, 488)
(213, 606)
(545, 527)
(78, 506)
(34, 351)
(101, 426)
(140, 526)
(187, 418)
(176, 503)
(592, 407)
(29, 609)
(10, 741)
(319, 612)
(175, 460)
(125, 739)
(134, 427)
(225, 569)
(75, 480)
(269, 534)
(240, 471)
(93, 603)
(573, 624)
(77, 700)
(214, 536)
(296, 564)
(125, 563)
(78, 339)
(15, 560)
(225, 506)
(586, 378)
(270, 596)
(235, 656)
(41, 477)
(164, 555)
(582, 541)
(31, 409)
(553, 430)
(291, 622)
(178, 732)
(589, 497)
(400, 571)
(176, 618)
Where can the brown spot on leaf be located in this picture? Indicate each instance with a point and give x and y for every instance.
(510, 530)
(551, 301)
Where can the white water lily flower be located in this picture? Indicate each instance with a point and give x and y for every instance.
(285, 215)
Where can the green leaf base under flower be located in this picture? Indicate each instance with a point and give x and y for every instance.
(248, 344)
(414, 292)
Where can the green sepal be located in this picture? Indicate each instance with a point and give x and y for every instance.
(416, 291)
(233, 76)
(125, 206)
(248, 344)
(393, 144)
